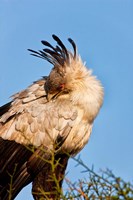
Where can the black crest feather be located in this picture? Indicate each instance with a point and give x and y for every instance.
(57, 55)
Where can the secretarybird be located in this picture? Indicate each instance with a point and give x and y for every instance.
(51, 120)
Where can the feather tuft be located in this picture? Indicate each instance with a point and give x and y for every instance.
(57, 55)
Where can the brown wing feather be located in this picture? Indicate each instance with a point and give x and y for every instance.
(47, 184)
(5, 108)
(13, 157)
(22, 165)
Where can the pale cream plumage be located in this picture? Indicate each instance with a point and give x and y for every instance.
(64, 105)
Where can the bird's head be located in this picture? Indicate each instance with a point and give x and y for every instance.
(69, 75)
(62, 74)
(67, 67)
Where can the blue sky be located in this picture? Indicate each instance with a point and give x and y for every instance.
(103, 31)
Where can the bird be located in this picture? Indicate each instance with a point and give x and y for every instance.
(47, 123)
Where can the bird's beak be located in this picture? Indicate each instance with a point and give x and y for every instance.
(50, 96)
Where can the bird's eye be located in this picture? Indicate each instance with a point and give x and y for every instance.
(61, 86)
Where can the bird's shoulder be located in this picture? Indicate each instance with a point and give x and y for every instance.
(23, 99)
